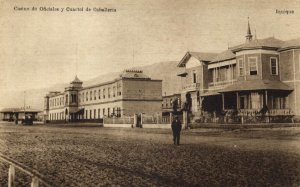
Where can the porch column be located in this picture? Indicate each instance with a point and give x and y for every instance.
(266, 96)
(135, 120)
(223, 102)
(185, 119)
(237, 101)
(268, 116)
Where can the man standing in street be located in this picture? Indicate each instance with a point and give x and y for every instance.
(176, 128)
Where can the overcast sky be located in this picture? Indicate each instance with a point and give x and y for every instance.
(39, 49)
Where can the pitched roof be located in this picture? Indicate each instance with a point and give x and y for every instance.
(19, 110)
(206, 57)
(225, 55)
(203, 56)
(270, 42)
(294, 43)
(257, 85)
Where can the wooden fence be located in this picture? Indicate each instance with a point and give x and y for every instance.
(36, 177)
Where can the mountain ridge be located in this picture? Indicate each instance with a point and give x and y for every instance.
(165, 71)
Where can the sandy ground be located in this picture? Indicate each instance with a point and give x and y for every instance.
(96, 156)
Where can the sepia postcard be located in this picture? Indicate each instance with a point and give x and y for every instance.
(149, 93)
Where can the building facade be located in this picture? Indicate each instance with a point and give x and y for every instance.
(168, 103)
(258, 74)
(131, 93)
(11, 114)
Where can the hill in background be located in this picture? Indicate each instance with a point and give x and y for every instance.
(166, 71)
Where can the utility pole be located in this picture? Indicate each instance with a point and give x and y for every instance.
(24, 105)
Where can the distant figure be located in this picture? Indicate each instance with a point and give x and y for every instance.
(176, 128)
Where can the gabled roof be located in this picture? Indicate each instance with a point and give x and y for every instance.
(269, 43)
(257, 85)
(225, 55)
(202, 57)
(290, 44)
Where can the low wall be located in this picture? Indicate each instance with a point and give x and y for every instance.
(239, 126)
(118, 125)
(156, 126)
(56, 121)
(75, 121)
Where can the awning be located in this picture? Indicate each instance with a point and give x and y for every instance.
(79, 111)
(184, 74)
(256, 85)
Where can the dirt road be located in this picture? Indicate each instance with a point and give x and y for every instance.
(96, 156)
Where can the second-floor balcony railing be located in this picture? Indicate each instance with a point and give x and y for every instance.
(220, 84)
(191, 87)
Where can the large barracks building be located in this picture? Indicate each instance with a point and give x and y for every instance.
(257, 74)
(132, 92)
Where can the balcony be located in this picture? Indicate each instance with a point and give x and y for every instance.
(220, 84)
(191, 87)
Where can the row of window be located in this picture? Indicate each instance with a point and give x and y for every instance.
(252, 63)
(57, 116)
(86, 96)
(224, 73)
(256, 101)
(59, 101)
(96, 113)
(229, 72)
(90, 114)
(99, 94)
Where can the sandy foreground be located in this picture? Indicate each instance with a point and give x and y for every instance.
(96, 156)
